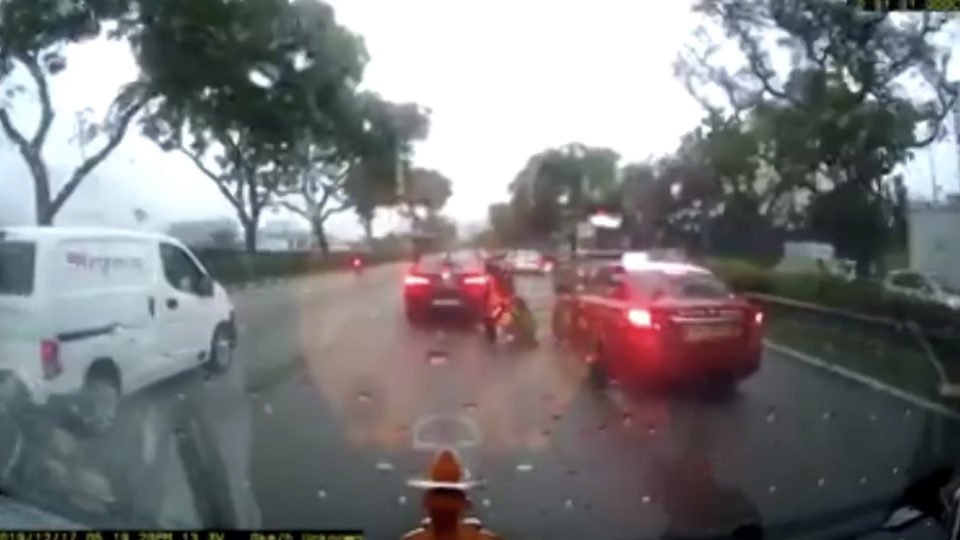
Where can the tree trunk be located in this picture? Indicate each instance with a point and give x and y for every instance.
(321, 236)
(367, 229)
(250, 236)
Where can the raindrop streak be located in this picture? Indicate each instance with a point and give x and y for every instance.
(524, 467)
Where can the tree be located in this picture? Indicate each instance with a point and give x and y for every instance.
(850, 121)
(424, 194)
(385, 150)
(33, 35)
(259, 86)
(562, 184)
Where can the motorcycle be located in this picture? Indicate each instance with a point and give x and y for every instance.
(512, 320)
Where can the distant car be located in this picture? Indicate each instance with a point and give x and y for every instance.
(659, 322)
(446, 284)
(90, 315)
(527, 261)
(923, 287)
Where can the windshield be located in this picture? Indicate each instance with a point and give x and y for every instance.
(945, 286)
(261, 259)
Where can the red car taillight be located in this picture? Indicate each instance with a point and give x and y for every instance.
(641, 318)
(411, 280)
(356, 262)
(50, 359)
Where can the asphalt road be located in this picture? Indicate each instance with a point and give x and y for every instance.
(316, 425)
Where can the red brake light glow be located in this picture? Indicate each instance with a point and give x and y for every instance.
(50, 359)
(475, 280)
(640, 318)
(758, 317)
(411, 279)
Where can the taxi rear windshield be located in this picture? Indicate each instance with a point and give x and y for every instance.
(681, 285)
(17, 261)
(433, 264)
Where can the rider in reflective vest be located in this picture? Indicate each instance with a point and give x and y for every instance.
(446, 504)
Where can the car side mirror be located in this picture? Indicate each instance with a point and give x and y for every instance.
(205, 287)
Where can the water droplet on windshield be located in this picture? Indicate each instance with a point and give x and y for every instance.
(863, 479)
(828, 415)
(627, 419)
(908, 412)
(485, 502)
(821, 481)
(181, 396)
(548, 397)
(267, 409)
(651, 429)
(524, 467)
(772, 489)
(568, 503)
(771, 414)
(645, 499)
(321, 494)
(557, 417)
(470, 407)
(364, 397)
(546, 432)
(572, 472)
(602, 426)
(895, 470)
(873, 418)
(402, 499)
(436, 358)
(384, 466)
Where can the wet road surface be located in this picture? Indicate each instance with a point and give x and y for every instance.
(316, 425)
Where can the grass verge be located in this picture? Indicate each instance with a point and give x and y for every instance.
(892, 358)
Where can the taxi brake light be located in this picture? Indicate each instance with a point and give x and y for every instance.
(415, 280)
(640, 318)
(475, 280)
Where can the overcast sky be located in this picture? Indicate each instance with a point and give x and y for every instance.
(504, 80)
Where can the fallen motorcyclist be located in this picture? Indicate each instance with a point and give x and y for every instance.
(507, 310)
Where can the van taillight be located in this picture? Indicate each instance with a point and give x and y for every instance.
(50, 359)
(641, 318)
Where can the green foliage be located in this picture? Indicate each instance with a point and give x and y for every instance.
(862, 296)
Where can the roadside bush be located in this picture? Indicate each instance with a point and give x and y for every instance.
(866, 297)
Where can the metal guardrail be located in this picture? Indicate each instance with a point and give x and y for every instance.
(872, 335)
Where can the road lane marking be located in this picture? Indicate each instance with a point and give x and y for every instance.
(875, 384)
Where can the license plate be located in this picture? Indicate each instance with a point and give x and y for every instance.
(708, 332)
(446, 302)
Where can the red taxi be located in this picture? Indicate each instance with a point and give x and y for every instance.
(659, 321)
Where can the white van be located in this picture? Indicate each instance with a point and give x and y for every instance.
(90, 315)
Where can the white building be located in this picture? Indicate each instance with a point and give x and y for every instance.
(932, 238)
